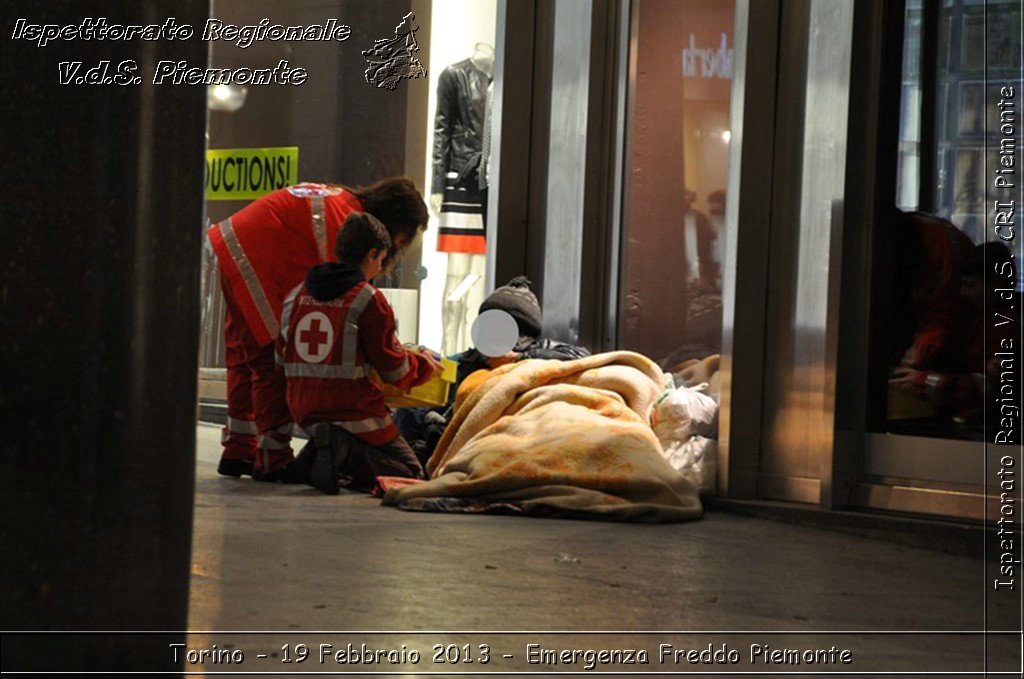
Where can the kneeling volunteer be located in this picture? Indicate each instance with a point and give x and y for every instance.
(334, 328)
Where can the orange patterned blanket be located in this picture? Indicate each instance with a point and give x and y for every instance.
(562, 438)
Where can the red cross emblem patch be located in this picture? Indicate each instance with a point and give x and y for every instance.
(314, 337)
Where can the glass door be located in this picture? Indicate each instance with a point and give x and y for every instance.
(675, 183)
(943, 373)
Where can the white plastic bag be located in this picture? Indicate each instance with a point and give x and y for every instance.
(684, 412)
(696, 460)
(685, 420)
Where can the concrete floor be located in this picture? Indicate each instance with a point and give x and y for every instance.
(297, 564)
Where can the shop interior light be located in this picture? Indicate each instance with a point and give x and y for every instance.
(726, 136)
(225, 97)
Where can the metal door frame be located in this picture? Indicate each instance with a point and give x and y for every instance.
(874, 470)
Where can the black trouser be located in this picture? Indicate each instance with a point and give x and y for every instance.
(361, 463)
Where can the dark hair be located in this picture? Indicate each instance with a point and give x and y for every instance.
(360, 233)
(398, 203)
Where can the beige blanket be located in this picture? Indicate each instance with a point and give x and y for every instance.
(556, 438)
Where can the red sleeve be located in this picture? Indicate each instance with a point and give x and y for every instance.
(389, 358)
(928, 341)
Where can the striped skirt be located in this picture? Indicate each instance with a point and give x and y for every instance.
(461, 221)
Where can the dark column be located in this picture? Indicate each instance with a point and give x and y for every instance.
(100, 229)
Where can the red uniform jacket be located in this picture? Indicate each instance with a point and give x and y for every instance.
(328, 348)
(936, 287)
(956, 380)
(265, 249)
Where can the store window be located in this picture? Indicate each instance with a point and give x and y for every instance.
(342, 126)
(461, 90)
(675, 180)
(949, 264)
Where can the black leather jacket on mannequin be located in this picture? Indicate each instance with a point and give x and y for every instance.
(459, 122)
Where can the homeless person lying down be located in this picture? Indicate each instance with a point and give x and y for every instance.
(558, 438)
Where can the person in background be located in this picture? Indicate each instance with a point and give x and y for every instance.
(925, 299)
(716, 216)
(967, 363)
(264, 251)
(423, 427)
(335, 327)
(698, 235)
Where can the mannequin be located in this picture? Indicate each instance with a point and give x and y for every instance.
(483, 59)
(457, 197)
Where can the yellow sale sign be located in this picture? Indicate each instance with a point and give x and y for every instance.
(244, 174)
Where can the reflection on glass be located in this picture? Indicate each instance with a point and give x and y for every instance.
(928, 348)
(955, 294)
(678, 146)
(952, 280)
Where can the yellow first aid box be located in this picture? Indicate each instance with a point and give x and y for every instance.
(431, 393)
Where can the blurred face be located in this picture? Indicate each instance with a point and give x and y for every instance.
(398, 245)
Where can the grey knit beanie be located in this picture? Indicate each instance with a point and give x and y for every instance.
(517, 299)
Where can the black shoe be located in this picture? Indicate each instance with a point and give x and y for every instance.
(331, 455)
(287, 474)
(265, 477)
(293, 474)
(235, 468)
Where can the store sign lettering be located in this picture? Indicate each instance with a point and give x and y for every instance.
(244, 174)
(707, 62)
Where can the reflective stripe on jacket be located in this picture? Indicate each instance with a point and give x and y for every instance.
(327, 348)
(265, 249)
